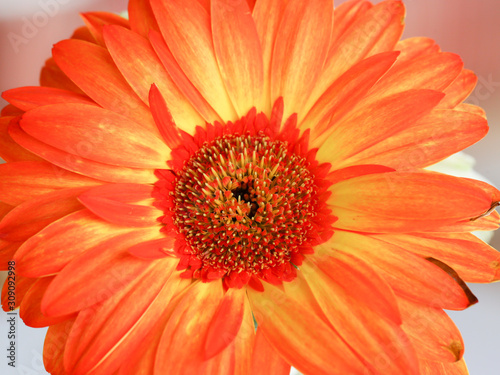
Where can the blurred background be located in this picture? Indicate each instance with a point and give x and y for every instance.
(470, 28)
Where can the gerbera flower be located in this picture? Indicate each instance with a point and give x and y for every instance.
(223, 187)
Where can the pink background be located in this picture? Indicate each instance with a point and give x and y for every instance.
(470, 28)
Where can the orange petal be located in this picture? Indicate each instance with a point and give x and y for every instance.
(163, 118)
(22, 286)
(474, 260)
(377, 30)
(55, 343)
(142, 360)
(27, 98)
(393, 14)
(52, 76)
(265, 359)
(74, 288)
(343, 273)
(83, 33)
(346, 92)
(71, 162)
(186, 29)
(251, 4)
(9, 150)
(440, 368)
(267, 17)
(406, 202)
(422, 144)
(433, 334)
(239, 53)
(347, 303)
(367, 125)
(150, 70)
(96, 21)
(96, 334)
(487, 223)
(459, 89)
(141, 17)
(30, 307)
(10, 110)
(226, 322)
(154, 249)
(93, 70)
(205, 4)
(96, 134)
(299, 335)
(181, 80)
(137, 350)
(25, 180)
(244, 343)
(129, 215)
(356, 171)
(111, 202)
(300, 51)
(415, 47)
(75, 233)
(235, 359)
(222, 364)
(182, 343)
(33, 215)
(433, 72)
(409, 275)
(125, 193)
(7, 251)
(345, 15)
(471, 108)
(4, 209)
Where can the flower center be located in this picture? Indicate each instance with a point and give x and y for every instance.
(244, 204)
(243, 208)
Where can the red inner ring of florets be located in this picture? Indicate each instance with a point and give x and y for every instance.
(244, 207)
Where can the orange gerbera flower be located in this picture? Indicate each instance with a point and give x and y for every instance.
(232, 187)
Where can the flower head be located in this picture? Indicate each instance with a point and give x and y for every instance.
(230, 186)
